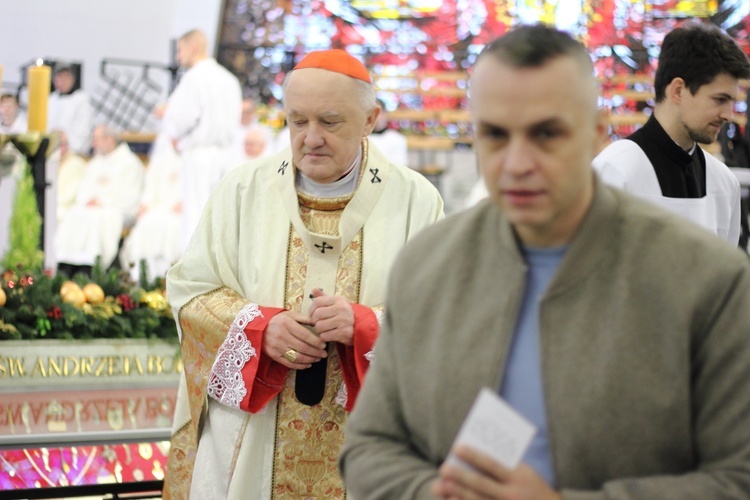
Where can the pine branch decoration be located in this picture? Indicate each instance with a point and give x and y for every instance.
(25, 227)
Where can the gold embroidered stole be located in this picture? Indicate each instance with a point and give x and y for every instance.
(308, 438)
(205, 321)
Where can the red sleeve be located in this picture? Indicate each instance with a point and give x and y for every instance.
(263, 377)
(355, 360)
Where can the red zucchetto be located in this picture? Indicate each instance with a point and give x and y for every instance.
(337, 60)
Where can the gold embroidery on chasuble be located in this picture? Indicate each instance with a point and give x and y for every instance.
(308, 438)
(204, 321)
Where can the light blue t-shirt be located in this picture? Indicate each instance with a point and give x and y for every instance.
(522, 383)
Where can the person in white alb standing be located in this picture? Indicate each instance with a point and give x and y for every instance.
(70, 111)
(202, 119)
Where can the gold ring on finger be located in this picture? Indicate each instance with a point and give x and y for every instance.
(291, 355)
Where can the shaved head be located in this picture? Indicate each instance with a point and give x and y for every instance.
(191, 48)
(532, 46)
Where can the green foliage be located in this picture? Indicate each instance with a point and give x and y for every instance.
(25, 227)
(35, 308)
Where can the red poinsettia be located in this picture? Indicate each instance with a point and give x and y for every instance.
(126, 302)
(54, 312)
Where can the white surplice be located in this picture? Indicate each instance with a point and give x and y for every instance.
(623, 164)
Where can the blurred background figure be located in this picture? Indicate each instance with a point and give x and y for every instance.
(256, 142)
(70, 171)
(202, 119)
(155, 237)
(107, 203)
(253, 139)
(12, 119)
(389, 141)
(70, 111)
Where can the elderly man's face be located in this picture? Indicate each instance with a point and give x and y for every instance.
(255, 143)
(537, 130)
(326, 122)
(102, 143)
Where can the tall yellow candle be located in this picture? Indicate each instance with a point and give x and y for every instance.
(39, 85)
(1, 76)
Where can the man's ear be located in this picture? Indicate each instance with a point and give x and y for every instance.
(675, 91)
(372, 117)
(602, 128)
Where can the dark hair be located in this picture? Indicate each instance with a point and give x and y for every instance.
(533, 45)
(63, 68)
(8, 96)
(698, 53)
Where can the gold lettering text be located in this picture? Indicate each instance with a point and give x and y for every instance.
(53, 366)
(138, 365)
(39, 368)
(86, 365)
(154, 364)
(71, 361)
(100, 367)
(112, 364)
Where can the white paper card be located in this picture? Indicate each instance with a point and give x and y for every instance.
(494, 428)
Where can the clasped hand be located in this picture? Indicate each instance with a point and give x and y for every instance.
(329, 319)
(489, 480)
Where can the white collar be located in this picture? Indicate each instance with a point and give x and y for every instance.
(340, 187)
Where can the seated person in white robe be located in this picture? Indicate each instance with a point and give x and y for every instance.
(12, 119)
(107, 203)
(155, 238)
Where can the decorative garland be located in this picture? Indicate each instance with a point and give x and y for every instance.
(35, 304)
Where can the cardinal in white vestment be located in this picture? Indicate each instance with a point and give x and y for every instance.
(279, 293)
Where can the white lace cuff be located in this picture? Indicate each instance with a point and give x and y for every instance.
(225, 382)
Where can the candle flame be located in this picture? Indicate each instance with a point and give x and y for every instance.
(39, 61)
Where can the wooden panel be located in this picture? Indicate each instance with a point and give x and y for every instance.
(412, 114)
(454, 115)
(145, 137)
(427, 142)
(628, 119)
(631, 95)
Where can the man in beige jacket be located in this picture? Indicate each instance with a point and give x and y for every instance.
(618, 329)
